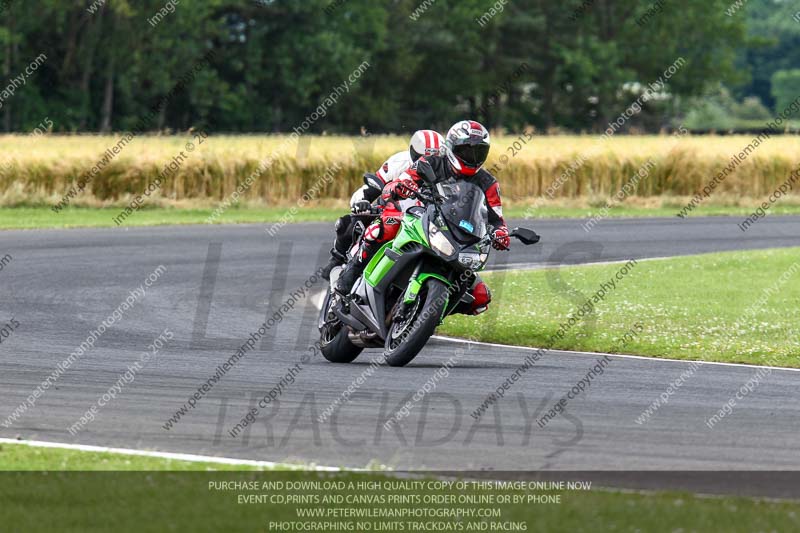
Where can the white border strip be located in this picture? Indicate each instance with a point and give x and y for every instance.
(174, 456)
(248, 462)
(654, 358)
(522, 267)
(317, 302)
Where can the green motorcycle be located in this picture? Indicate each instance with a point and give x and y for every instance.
(414, 281)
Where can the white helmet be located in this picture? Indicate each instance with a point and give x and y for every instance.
(425, 142)
(467, 146)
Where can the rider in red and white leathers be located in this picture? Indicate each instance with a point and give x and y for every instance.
(422, 143)
(467, 145)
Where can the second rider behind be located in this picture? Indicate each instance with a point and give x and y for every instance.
(422, 143)
(467, 144)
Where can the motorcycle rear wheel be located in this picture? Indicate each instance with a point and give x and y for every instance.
(333, 341)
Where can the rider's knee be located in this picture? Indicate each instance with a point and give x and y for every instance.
(374, 232)
(342, 225)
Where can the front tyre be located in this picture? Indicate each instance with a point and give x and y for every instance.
(407, 336)
(333, 341)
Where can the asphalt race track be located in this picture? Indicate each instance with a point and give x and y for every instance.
(221, 282)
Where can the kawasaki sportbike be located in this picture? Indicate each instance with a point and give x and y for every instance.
(413, 282)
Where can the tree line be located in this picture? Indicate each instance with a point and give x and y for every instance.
(573, 65)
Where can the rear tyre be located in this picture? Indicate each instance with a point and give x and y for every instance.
(340, 349)
(407, 337)
(333, 341)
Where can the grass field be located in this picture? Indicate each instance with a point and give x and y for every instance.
(40, 170)
(738, 307)
(160, 497)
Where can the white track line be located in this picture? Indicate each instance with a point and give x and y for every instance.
(269, 464)
(174, 456)
(538, 266)
(317, 301)
(519, 267)
(653, 359)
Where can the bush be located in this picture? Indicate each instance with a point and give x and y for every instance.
(751, 108)
(784, 89)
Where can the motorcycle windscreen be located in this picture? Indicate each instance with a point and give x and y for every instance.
(464, 209)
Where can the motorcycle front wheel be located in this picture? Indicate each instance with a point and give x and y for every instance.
(407, 336)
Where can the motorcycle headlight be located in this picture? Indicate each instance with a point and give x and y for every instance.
(473, 260)
(470, 259)
(439, 242)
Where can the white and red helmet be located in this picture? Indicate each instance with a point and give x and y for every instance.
(467, 146)
(425, 142)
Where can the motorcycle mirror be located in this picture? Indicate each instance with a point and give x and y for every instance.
(372, 181)
(526, 236)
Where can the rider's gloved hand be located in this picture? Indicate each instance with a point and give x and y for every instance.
(400, 189)
(362, 206)
(501, 240)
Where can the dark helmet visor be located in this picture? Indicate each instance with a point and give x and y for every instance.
(473, 155)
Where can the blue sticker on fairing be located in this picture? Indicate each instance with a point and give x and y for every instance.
(466, 225)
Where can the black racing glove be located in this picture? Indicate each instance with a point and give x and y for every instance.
(362, 206)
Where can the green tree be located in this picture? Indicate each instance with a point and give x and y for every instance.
(511, 64)
(772, 44)
(786, 88)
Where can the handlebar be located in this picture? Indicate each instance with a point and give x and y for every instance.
(424, 196)
(525, 236)
(373, 211)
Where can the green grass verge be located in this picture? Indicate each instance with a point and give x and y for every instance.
(728, 307)
(193, 501)
(44, 217)
(21, 457)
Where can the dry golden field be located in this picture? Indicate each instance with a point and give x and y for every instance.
(40, 170)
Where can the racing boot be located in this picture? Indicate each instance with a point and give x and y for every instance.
(337, 259)
(353, 269)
